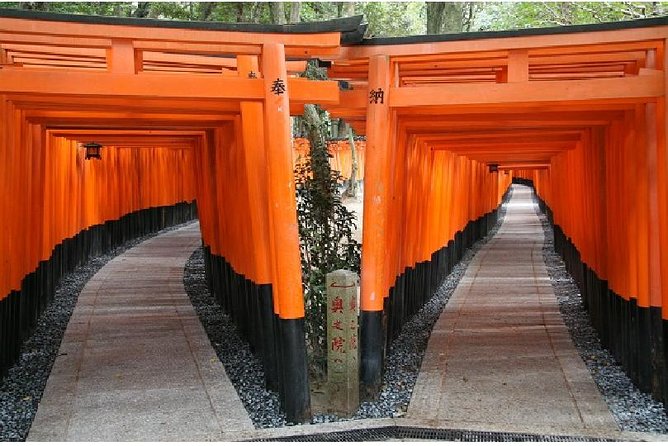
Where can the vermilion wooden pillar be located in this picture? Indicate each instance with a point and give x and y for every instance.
(657, 341)
(252, 118)
(662, 198)
(651, 145)
(5, 202)
(372, 336)
(283, 210)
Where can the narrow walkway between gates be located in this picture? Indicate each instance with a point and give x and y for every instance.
(135, 363)
(500, 357)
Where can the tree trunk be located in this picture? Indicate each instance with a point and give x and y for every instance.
(320, 168)
(435, 17)
(250, 12)
(444, 17)
(453, 18)
(347, 9)
(343, 127)
(351, 190)
(206, 8)
(295, 10)
(278, 13)
(240, 12)
(468, 16)
(142, 10)
(313, 125)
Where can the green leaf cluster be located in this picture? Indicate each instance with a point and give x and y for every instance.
(496, 16)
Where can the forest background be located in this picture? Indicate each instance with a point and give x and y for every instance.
(385, 19)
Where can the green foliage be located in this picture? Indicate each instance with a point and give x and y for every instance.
(318, 11)
(325, 230)
(394, 19)
(385, 19)
(253, 12)
(89, 8)
(500, 15)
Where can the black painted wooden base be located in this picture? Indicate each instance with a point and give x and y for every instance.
(371, 356)
(296, 391)
(20, 309)
(280, 343)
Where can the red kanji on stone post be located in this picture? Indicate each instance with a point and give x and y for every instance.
(338, 344)
(337, 305)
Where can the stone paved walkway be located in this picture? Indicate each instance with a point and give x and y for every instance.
(135, 363)
(500, 357)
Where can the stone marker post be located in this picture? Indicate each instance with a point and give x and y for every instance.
(342, 342)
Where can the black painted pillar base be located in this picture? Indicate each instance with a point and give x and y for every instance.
(663, 373)
(372, 345)
(296, 392)
(644, 350)
(658, 381)
(267, 318)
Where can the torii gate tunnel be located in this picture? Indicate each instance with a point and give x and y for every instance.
(201, 112)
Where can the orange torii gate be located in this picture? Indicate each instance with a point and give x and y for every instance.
(201, 111)
(185, 111)
(450, 119)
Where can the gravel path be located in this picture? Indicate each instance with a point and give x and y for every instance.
(246, 372)
(632, 409)
(21, 389)
(243, 368)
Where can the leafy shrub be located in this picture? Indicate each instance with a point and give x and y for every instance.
(326, 234)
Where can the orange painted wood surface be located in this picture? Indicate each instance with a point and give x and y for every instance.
(341, 159)
(608, 195)
(288, 291)
(52, 192)
(582, 114)
(380, 123)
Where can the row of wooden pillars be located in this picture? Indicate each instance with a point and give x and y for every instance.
(239, 166)
(425, 201)
(607, 200)
(422, 209)
(251, 235)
